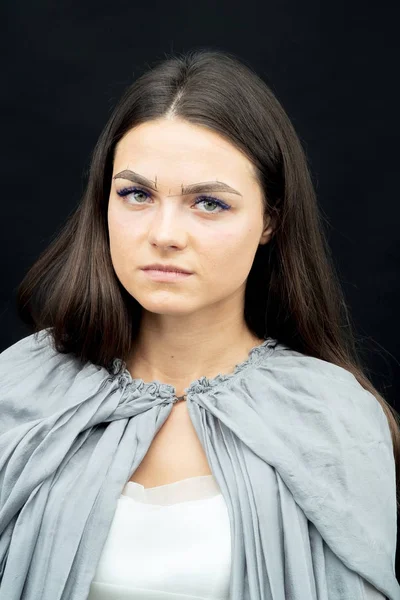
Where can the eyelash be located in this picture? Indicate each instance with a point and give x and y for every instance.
(126, 191)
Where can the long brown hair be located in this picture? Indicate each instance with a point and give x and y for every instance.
(293, 292)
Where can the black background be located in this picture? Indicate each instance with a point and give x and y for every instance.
(334, 67)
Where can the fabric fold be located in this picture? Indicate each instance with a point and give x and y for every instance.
(301, 452)
(329, 444)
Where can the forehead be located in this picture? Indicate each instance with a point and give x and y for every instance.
(170, 148)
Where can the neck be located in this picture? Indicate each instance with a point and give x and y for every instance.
(178, 357)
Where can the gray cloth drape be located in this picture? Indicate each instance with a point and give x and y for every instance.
(302, 454)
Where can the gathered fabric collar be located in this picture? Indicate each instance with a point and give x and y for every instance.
(202, 385)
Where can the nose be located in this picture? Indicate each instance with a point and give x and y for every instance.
(166, 228)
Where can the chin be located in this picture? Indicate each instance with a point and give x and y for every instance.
(171, 305)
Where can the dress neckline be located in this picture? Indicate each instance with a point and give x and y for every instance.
(183, 491)
(199, 386)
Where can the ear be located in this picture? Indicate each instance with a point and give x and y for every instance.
(268, 230)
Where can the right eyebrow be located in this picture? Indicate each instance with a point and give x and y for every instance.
(194, 188)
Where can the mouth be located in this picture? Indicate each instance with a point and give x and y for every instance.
(163, 275)
(166, 268)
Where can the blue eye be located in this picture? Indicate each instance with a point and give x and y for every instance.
(208, 199)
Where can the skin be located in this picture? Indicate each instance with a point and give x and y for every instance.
(193, 327)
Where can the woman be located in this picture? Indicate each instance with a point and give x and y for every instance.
(202, 434)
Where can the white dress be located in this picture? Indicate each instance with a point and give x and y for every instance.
(170, 542)
(165, 543)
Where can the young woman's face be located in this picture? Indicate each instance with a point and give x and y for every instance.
(215, 237)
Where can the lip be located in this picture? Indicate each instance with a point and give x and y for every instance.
(160, 267)
(157, 275)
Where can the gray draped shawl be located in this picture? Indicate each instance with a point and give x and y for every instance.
(302, 454)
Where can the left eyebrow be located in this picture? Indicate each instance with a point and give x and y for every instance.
(194, 188)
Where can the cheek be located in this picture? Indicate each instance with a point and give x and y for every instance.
(230, 256)
(122, 253)
(122, 235)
